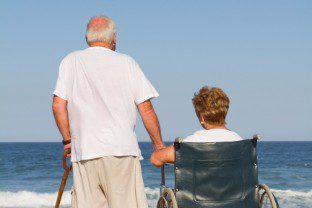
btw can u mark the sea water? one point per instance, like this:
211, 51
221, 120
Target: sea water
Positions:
30, 173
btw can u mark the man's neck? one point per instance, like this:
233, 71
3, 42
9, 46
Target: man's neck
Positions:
100, 44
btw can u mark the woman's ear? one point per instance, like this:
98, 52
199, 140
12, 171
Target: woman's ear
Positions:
201, 119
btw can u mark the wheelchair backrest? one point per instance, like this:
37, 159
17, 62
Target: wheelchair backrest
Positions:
216, 175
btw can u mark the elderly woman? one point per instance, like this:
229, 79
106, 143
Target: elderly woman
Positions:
211, 106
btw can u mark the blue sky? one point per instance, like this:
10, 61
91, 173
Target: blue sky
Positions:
259, 52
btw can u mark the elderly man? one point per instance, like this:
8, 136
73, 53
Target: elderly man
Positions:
94, 105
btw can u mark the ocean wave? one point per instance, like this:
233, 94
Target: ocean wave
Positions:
27, 199
292, 199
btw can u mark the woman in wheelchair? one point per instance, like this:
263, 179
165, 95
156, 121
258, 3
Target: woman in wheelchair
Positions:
211, 106
214, 167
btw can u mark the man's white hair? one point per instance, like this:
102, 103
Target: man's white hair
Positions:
100, 29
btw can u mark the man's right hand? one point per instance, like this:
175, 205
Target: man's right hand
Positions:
160, 157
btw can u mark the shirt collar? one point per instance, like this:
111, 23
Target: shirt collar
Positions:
99, 47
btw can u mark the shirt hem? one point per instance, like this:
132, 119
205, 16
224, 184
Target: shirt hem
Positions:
90, 157
148, 97
59, 94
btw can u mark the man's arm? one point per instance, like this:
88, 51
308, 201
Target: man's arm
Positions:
160, 157
59, 108
151, 123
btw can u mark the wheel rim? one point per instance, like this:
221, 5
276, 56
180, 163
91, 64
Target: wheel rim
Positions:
167, 200
162, 203
266, 198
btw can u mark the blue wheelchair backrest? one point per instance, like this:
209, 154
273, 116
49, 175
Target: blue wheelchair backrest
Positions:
215, 175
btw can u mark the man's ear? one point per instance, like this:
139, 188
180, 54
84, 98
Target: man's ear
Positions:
86, 40
115, 37
113, 45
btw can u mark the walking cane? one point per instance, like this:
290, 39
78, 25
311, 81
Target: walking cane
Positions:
67, 169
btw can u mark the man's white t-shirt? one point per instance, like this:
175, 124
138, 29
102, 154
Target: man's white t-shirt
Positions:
213, 135
102, 88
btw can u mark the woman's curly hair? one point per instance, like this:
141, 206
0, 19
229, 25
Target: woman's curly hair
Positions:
212, 104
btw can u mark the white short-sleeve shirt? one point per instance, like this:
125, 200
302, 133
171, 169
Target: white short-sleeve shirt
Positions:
213, 135
102, 88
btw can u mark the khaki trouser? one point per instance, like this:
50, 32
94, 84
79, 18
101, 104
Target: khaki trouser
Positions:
108, 182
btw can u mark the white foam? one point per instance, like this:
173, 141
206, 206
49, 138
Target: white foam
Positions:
27, 199
152, 196
292, 199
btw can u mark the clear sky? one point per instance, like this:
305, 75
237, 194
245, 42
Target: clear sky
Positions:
259, 52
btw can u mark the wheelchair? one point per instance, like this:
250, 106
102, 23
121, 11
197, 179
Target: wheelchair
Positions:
216, 175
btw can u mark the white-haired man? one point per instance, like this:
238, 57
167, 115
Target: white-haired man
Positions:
94, 105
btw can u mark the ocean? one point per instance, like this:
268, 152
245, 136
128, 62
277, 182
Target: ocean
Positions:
30, 174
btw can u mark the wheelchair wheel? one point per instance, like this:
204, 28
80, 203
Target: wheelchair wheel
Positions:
266, 198
167, 200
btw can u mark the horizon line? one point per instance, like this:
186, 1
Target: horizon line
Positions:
261, 140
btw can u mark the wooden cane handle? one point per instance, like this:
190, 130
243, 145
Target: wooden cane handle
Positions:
65, 166
64, 178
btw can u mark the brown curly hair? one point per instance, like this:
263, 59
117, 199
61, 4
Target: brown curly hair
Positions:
212, 104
